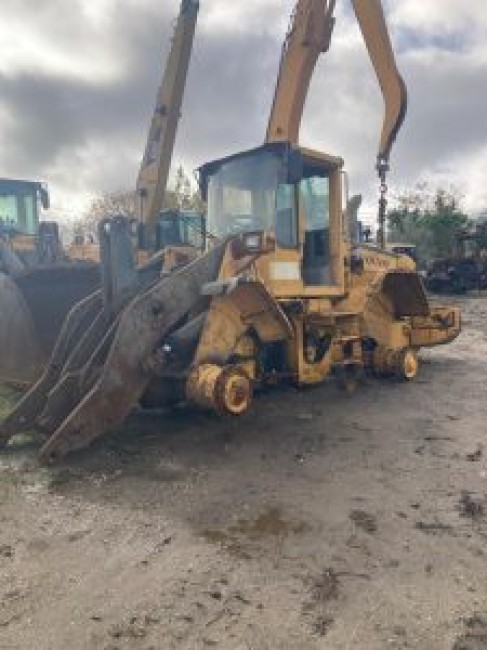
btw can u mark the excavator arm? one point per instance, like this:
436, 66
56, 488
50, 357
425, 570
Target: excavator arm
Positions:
370, 17
154, 170
308, 36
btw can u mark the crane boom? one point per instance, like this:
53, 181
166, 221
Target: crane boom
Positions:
154, 169
309, 35
370, 17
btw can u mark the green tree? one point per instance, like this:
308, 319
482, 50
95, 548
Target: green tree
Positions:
445, 221
427, 218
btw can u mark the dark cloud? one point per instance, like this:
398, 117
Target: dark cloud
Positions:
53, 118
81, 125
44, 115
229, 95
447, 115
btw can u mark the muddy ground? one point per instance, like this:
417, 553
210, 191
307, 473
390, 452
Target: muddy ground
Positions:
320, 520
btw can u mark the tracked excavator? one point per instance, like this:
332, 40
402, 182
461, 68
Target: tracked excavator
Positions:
40, 281
281, 293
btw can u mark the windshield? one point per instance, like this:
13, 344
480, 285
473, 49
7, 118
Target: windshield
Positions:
180, 229
242, 195
18, 212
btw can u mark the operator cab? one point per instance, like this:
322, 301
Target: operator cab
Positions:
19, 206
292, 194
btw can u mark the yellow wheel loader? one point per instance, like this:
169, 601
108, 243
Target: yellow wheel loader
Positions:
281, 294
39, 280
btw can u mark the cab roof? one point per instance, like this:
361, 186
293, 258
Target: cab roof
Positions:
15, 186
279, 149
309, 157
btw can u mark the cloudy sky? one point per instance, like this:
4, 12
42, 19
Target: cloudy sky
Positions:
78, 80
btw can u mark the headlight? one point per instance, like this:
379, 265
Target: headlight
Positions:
252, 243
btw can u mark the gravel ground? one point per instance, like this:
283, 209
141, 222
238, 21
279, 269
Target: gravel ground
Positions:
320, 520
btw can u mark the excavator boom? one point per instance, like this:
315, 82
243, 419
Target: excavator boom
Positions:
154, 170
309, 35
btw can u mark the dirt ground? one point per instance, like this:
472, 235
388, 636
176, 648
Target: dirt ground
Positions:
320, 520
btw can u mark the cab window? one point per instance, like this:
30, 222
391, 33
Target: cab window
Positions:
314, 194
286, 225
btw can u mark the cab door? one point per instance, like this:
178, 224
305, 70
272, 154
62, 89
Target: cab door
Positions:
321, 224
314, 195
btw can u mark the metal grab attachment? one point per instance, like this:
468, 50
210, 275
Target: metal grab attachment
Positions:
100, 365
119, 376
86, 330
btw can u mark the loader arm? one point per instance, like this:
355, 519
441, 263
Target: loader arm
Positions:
154, 170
